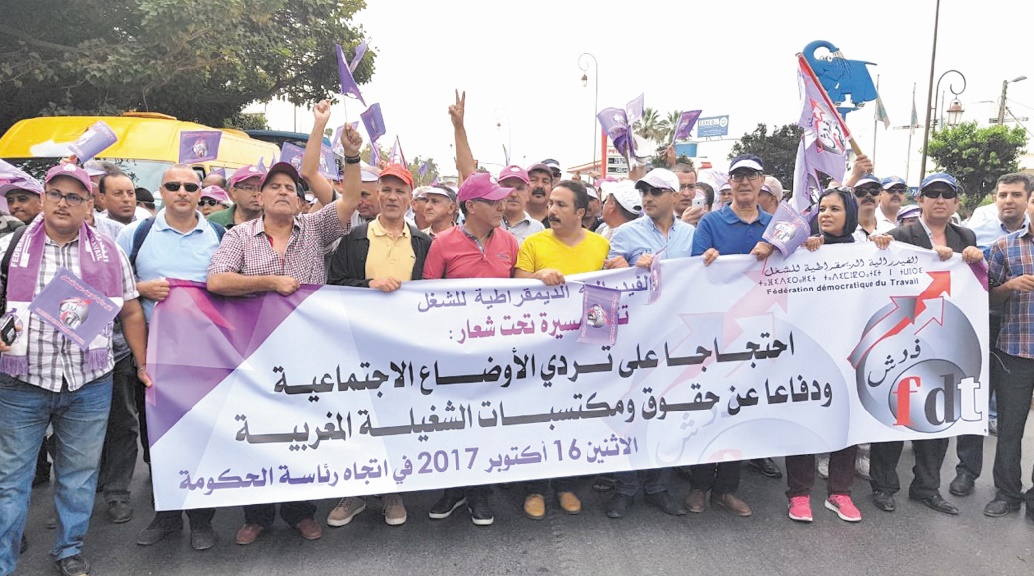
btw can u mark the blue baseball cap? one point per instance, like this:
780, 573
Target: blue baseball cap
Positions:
891, 181
748, 161
867, 179
910, 211
943, 177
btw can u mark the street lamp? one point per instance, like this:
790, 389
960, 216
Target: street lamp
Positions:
583, 65
956, 93
955, 111
1005, 87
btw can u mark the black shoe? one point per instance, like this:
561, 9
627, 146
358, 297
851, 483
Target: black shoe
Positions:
962, 485
603, 483
618, 505
202, 537
766, 466
452, 499
120, 511
480, 511
73, 566
665, 503
25, 545
156, 531
938, 503
999, 507
883, 500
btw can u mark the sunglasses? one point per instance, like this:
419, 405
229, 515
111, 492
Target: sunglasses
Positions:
740, 177
174, 186
648, 190
946, 194
208, 202
867, 191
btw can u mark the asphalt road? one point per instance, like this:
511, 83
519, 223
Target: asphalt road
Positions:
912, 540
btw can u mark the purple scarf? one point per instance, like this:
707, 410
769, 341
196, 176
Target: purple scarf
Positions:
100, 267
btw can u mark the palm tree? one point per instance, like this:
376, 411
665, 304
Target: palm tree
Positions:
650, 125
670, 123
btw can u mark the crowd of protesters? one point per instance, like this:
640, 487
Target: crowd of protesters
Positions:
272, 230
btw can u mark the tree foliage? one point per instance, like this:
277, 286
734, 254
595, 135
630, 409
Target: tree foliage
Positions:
202, 60
777, 150
976, 157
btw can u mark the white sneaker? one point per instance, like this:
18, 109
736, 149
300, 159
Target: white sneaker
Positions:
823, 465
861, 466
345, 510
394, 510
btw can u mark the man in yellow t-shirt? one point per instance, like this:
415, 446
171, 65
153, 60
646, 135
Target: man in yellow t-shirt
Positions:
563, 248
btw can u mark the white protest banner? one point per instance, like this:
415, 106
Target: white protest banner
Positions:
342, 391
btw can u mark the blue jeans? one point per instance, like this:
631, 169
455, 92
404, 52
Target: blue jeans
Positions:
79, 419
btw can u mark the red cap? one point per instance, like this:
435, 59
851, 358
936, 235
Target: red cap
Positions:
398, 171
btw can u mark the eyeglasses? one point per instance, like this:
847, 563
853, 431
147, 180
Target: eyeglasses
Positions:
940, 193
208, 202
866, 191
174, 186
647, 190
489, 202
752, 175
72, 200
246, 187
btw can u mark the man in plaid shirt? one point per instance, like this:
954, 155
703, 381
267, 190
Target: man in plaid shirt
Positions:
279, 252
1011, 277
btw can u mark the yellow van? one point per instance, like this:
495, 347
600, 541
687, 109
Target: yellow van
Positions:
148, 143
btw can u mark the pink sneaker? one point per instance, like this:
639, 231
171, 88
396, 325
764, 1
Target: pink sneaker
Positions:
844, 507
800, 508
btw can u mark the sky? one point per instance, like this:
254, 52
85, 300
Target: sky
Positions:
519, 66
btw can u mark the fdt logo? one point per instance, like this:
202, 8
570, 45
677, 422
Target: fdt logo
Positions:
918, 362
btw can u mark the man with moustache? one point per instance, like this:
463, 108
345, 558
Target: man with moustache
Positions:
866, 190
540, 181
564, 248
516, 219
890, 200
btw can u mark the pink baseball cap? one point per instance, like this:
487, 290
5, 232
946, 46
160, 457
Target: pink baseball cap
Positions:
515, 171
20, 182
215, 193
72, 171
245, 172
484, 186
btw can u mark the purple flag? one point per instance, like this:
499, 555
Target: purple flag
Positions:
599, 315
348, 85
328, 166
434, 182
97, 138
76, 309
635, 109
375, 154
613, 122
262, 164
292, 155
655, 276
374, 121
335, 140
823, 145
397, 157
422, 171
360, 51
199, 146
685, 125
787, 230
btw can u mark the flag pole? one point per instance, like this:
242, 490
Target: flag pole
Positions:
911, 131
843, 126
875, 121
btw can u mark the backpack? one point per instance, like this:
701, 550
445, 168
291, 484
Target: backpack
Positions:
138, 240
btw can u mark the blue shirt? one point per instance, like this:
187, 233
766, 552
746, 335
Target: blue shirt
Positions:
725, 232
642, 236
169, 253
990, 231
